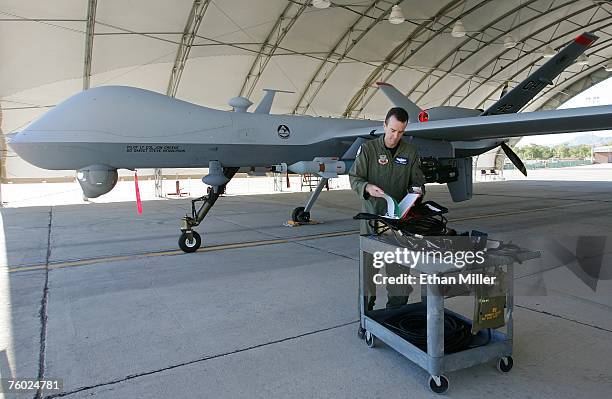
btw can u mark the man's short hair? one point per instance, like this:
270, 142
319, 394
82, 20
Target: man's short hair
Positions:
399, 113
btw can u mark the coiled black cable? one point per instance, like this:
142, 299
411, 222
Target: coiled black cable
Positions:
425, 226
412, 326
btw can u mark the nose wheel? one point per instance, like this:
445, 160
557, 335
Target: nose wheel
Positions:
190, 241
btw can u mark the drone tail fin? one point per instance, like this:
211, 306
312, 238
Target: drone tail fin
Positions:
400, 100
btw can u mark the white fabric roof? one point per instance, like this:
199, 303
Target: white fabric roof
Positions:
328, 57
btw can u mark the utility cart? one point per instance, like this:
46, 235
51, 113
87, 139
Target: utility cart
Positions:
428, 350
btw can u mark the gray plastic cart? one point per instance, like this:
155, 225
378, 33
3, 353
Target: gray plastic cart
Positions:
434, 360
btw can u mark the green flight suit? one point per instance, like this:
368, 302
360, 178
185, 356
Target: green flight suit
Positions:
395, 175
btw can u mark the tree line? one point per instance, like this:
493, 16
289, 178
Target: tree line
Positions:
534, 151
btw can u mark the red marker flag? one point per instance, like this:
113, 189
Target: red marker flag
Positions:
138, 201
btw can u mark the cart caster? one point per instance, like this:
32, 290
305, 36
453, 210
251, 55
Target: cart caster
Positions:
505, 364
299, 216
361, 332
188, 245
438, 384
370, 339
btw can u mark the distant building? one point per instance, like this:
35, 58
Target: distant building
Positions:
602, 154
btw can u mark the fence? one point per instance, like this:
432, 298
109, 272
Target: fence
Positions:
551, 164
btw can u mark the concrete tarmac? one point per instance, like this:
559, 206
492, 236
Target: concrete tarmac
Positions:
101, 297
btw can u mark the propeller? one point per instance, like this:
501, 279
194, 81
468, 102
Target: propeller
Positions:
138, 201
514, 158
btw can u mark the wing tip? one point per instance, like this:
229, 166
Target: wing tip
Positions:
586, 39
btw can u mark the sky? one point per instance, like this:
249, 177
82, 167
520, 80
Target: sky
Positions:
600, 94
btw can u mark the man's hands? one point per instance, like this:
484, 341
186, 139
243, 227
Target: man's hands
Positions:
374, 190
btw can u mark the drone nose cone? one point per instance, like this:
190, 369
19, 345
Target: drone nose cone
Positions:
11, 137
17, 142
12, 140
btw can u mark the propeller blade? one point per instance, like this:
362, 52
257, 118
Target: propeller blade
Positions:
288, 185
514, 158
138, 201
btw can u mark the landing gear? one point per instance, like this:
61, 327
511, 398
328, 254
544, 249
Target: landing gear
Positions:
190, 244
190, 240
301, 214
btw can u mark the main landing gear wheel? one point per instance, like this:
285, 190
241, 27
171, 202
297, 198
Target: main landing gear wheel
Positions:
300, 216
190, 245
505, 364
440, 388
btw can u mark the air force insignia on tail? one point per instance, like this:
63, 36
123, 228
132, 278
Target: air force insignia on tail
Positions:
283, 131
401, 160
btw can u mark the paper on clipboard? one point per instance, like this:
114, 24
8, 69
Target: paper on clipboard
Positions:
391, 206
398, 211
406, 204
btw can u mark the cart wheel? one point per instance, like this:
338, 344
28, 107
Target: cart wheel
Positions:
361, 332
188, 245
439, 389
370, 339
505, 364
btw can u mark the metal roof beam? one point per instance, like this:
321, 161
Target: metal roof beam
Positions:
280, 29
89, 39
196, 14
23, 19
466, 41
532, 64
505, 51
359, 98
337, 54
125, 31
198, 9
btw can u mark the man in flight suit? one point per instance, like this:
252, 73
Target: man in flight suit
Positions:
386, 165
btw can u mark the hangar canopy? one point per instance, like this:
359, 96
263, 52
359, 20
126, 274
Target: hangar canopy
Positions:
446, 52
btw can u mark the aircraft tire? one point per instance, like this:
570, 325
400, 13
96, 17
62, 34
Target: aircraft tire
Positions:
299, 216
190, 246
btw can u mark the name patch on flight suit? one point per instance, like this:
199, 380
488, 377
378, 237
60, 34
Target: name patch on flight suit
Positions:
401, 160
382, 159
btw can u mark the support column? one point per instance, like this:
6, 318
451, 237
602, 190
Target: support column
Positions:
159, 192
